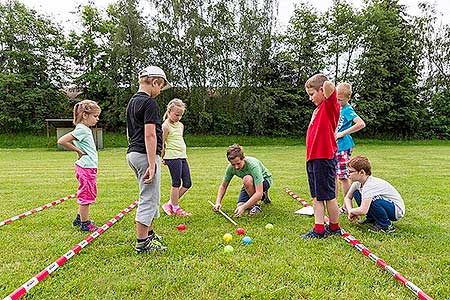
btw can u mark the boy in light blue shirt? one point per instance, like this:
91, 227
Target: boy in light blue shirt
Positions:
349, 122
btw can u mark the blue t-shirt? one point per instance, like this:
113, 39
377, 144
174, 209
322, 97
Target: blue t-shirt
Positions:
345, 122
85, 141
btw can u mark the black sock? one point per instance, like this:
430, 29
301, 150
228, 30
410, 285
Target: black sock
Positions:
142, 240
151, 232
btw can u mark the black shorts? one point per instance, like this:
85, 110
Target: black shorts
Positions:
322, 178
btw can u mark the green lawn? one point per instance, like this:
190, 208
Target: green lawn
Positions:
277, 265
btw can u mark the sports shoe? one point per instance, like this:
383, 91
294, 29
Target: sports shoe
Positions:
155, 237
77, 221
366, 221
180, 212
312, 234
149, 246
168, 208
378, 228
256, 209
337, 231
266, 198
88, 226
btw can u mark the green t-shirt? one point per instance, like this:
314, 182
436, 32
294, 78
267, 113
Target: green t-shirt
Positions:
85, 141
252, 167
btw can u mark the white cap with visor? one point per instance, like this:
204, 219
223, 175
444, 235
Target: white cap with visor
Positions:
154, 71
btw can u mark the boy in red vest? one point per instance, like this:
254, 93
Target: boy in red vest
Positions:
320, 155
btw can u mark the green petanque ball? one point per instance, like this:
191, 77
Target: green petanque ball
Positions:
269, 226
228, 249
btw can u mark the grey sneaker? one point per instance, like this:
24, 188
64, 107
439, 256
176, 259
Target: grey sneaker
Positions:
256, 209
266, 198
155, 237
376, 228
149, 246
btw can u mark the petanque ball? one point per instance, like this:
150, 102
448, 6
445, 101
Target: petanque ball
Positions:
246, 240
240, 231
228, 249
227, 237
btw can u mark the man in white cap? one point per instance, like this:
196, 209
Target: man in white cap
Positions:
144, 134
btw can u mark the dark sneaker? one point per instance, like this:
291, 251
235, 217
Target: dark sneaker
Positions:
149, 246
266, 198
256, 209
336, 231
77, 221
88, 226
378, 228
155, 237
366, 221
312, 234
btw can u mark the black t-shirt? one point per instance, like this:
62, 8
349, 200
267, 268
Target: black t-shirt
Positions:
142, 110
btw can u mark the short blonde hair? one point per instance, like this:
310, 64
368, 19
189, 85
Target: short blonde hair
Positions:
234, 151
346, 89
149, 79
360, 163
85, 106
316, 81
178, 103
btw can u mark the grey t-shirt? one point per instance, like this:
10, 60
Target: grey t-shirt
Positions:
377, 188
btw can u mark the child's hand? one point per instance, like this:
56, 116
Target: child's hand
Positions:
149, 174
163, 162
217, 206
338, 135
352, 218
80, 154
239, 211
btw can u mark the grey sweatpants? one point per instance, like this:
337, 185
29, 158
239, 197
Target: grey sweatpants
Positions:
149, 194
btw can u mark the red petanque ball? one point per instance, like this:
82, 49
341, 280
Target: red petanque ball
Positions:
240, 231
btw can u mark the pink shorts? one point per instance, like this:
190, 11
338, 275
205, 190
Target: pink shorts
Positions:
342, 158
87, 188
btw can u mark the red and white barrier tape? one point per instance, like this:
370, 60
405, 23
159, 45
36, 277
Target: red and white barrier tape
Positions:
302, 201
364, 250
35, 210
27, 286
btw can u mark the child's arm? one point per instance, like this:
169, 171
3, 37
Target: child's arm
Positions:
359, 124
328, 89
220, 193
362, 210
165, 130
66, 140
150, 146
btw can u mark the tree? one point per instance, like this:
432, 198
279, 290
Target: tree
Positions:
31, 64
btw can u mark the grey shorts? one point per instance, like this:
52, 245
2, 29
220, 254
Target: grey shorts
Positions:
149, 194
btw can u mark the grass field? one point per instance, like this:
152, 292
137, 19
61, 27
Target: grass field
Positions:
277, 265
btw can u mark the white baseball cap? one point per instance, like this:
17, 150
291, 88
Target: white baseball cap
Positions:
154, 71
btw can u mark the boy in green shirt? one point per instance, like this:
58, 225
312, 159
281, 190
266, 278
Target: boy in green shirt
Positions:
256, 179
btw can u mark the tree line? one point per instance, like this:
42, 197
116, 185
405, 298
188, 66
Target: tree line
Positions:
238, 70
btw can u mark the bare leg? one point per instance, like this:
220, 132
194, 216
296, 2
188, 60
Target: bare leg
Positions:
345, 186
247, 181
142, 230
83, 210
333, 211
319, 211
